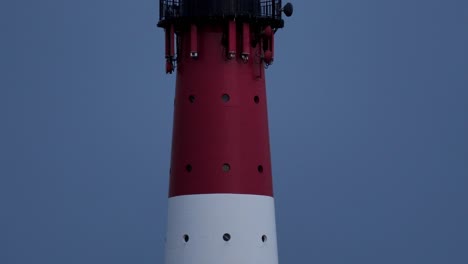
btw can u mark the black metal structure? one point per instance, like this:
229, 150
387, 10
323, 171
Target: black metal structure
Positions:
263, 12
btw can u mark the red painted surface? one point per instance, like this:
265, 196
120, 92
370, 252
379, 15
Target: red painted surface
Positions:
232, 34
246, 38
209, 132
193, 39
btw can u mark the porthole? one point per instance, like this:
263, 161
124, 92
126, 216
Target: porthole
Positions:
186, 238
260, 168
191, 98
226, 237
264, 238
256, 99
226, 167
225, 98
188, 168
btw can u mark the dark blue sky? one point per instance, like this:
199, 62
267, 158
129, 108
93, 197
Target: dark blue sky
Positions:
368, 105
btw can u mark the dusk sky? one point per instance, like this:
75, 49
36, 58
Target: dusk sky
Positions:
368, 114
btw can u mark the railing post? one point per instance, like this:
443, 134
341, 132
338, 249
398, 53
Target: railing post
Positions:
273, 7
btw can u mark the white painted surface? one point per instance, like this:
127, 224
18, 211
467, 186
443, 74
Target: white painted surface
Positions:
206, 217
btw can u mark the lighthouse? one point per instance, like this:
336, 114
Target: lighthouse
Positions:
221, 207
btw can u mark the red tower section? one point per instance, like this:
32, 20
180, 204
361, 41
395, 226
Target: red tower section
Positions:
220, 162
220, 134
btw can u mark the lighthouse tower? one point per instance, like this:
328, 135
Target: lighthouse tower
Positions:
221, 207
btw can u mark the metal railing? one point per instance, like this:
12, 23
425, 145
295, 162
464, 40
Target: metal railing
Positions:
169, 9
270, 8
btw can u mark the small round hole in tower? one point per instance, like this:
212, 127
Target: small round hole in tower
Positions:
260, 168
191, 98
226, 167
188, 168
186, 238
226, 237
256, 99
264, 238
225, 98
